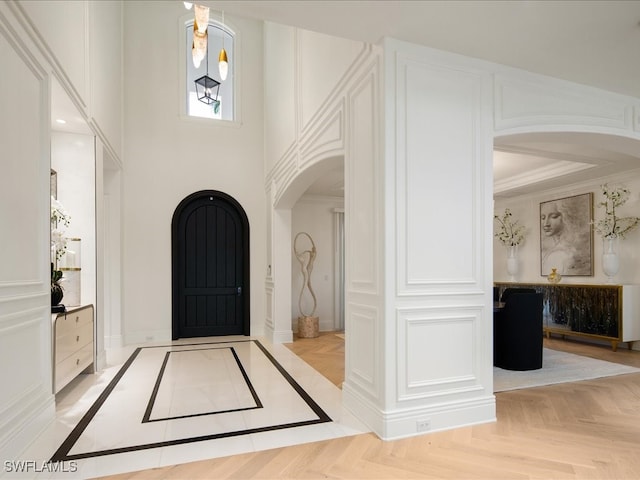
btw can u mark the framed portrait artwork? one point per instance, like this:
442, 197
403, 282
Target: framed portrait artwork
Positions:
566, 236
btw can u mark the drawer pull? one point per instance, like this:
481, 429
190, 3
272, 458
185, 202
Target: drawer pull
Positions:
78, 338
77, 361
77, 319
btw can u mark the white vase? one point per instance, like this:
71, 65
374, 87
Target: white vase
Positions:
512, 262
610, 260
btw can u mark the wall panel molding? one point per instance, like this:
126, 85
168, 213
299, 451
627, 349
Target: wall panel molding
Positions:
268, 288
364, 195
362, 367
433, 332
307, 120
326, 139
439, 142
520, 102
22, 421
284, 173
78, 97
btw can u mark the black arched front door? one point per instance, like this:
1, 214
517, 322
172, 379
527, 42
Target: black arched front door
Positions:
210, 266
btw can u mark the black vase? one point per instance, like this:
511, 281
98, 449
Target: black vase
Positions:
56, 294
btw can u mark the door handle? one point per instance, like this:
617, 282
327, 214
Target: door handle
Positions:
239, 290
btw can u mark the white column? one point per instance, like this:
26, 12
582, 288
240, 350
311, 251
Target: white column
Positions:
278, 329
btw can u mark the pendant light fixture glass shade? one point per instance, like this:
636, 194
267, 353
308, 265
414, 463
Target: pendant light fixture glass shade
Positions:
199, 47
201, 22
223, 64
200, 37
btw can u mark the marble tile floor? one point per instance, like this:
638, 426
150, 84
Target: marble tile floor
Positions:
183, 401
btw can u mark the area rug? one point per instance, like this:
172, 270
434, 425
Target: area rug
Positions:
557, 367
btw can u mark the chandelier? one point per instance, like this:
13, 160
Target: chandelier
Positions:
201, 40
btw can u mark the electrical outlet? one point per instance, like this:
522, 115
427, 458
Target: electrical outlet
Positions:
423, 425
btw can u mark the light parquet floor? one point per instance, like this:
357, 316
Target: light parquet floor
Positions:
581, 430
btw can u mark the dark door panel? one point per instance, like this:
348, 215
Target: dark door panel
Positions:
210, 267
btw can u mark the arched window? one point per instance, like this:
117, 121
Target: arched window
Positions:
219, 36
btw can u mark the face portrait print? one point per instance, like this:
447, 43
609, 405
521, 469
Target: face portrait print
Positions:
566, 236
551, 220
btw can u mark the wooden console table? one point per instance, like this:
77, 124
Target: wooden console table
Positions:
604, 312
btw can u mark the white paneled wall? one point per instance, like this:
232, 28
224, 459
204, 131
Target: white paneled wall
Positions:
436, 332
42, 43
311, 122
364, 386
26, 401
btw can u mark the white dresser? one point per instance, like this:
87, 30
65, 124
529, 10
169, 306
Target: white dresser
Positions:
73, 345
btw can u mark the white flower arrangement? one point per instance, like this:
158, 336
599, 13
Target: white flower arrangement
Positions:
612, 226
59, 218
510, 233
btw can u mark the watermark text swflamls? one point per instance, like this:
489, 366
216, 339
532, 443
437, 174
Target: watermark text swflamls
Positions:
34, 466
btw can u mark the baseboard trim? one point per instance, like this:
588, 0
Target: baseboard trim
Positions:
404, 423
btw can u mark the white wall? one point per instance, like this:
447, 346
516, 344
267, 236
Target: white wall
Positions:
73, 158
168, 157
26, 401
305, 132
113, 251
435, 350
315, 216
40, 41
84, 39
526, 209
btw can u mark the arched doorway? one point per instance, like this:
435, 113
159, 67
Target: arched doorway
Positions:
317, 176
210, 266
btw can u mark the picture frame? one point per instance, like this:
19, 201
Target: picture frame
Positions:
566, 235
54, 184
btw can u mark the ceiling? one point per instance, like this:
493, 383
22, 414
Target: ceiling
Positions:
590, 42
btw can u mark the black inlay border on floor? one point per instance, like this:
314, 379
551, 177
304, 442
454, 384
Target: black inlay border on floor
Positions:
147, 414
62, 454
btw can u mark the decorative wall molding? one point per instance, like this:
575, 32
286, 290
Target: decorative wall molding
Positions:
435, 149
284, 173
79, 99
432, 332
27, 402
268, 288
362, 365
334, 95
326, 140
402, 423
363, 192
23, 420
323, 136
532, 101
24, 315
36, 36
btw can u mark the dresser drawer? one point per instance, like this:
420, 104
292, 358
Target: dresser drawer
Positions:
70, 321
72, 341
66, 370
72, 344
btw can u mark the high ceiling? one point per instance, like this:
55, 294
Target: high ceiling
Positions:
590, 42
